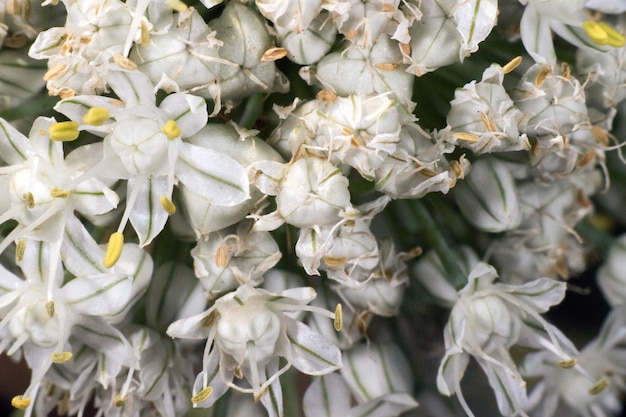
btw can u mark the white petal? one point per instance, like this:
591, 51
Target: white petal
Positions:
327, 396
312, 353
103, 295
215, 176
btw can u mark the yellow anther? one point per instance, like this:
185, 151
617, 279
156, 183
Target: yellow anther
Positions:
63, 131
603, 34
29, 198
20, 249
61, 357
599, 386
202, 396
50, 308
616, 39
118, 400
512, 64
338, 322
238, 373
567, 363
96, 116
20, 402
176, 5
167, 205
171, 130
114, 249
59, 193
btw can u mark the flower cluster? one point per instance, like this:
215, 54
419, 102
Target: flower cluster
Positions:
205, 200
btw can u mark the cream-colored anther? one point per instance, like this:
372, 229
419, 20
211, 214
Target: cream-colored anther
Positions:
338, 322
29, 199
96, 116
59, 193
171, 130
114, 249
20, 248
567, 363
20, 402
167, 205
63, 131
274, 54
542, 75
61, 357
512, 64
124, 62
50, 309
599, 386
202, 395
469, 137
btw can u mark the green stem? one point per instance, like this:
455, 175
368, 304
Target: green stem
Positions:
438, 242
252, 110
291, 402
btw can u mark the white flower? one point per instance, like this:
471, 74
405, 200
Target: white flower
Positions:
144, 144
487, 319
44, 188
594, 387
247, 331
488, 197
309, 191
484, 117
225, 259
332, 391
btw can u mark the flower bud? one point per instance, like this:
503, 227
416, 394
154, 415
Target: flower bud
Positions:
488, 197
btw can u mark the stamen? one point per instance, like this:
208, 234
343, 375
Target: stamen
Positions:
124, 62
61, 357
114, 249
64, 131
59, 193
567, 363
338, 322
20, 402
167, 205
387, 66
603, 34
599, 386
616, 39
274, 54
118, 400
542, 75
221, 256
202, 395
50, 308
171, 130
512, 64
145, 34
29, 198
96, 116
20, 249
470, 137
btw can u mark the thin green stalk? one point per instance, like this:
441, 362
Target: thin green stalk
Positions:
438, 242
